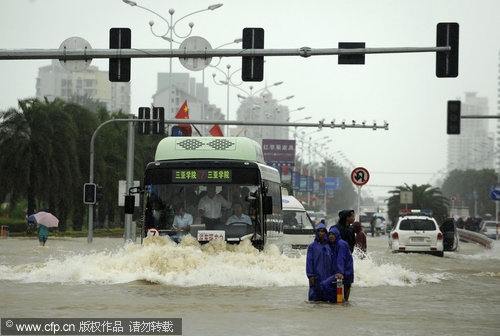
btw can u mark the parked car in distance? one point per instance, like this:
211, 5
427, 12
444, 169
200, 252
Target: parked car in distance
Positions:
365, 218
489, 229
416, 231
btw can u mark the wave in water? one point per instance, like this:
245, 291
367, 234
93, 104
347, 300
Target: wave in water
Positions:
159, 260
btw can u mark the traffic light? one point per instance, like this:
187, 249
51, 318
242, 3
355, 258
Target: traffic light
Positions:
89, 193
119, 68
351, 58
159, 126
453, 120
252, 68
144, 126
447, 61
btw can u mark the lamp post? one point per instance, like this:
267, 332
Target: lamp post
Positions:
169, 35
227, 82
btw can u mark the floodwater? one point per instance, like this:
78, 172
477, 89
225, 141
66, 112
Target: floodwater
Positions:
221, 290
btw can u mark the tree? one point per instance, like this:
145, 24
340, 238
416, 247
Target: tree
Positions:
471, 188
424, 197
26, 149
344, 198
44, 165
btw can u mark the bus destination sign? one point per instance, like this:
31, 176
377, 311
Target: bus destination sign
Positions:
201, 175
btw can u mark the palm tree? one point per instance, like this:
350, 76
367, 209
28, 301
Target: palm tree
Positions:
25, 149
424, 197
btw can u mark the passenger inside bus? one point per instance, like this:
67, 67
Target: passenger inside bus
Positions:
207, 213
210, 209
182, 223
157, 214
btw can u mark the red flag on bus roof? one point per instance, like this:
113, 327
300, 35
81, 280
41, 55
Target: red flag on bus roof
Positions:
183, 113
216, 131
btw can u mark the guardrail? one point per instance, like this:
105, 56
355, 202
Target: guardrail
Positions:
474, 237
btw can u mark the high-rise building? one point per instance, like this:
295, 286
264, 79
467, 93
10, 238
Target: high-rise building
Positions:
55, 81
262, 108
185, 88
474, 147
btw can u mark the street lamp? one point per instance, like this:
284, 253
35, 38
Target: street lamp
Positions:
306, 118
297, 109
227, 82
169, 35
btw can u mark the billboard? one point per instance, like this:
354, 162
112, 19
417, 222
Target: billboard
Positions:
332, 183
295, 180
303, 183
278, 152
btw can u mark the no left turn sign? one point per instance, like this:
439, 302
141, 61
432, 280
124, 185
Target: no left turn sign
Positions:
360, 176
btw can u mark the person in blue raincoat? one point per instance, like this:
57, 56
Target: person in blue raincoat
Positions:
318, 263
342, 267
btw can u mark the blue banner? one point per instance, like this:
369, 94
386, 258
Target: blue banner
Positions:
303, 183
316, 187
332, 183
322, 190
295, 180
310, 182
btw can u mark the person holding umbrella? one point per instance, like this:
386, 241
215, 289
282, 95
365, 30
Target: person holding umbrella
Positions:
43, 233
43, 221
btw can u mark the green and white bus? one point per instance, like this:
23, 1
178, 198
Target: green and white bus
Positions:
187, 168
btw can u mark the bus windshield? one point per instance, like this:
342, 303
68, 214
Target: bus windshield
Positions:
230, 203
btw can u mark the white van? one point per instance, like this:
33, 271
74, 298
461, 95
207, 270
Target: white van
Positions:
298, 229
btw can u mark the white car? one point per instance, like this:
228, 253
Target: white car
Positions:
298, 230
416, 231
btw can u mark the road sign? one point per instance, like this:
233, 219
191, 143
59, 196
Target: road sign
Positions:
75, 43
495, 195
153, 232
195, 43
406, 197
360, 176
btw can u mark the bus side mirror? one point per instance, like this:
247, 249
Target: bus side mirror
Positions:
129, 204
268, 205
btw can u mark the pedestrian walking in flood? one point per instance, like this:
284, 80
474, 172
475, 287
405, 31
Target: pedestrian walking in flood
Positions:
360, 237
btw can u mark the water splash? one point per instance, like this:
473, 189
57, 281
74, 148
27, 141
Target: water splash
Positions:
160, 260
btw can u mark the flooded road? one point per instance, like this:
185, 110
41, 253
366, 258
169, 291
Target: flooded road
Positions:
221, 290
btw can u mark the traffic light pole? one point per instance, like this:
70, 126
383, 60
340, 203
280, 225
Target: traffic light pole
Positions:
88, 54
130, 175
130, 171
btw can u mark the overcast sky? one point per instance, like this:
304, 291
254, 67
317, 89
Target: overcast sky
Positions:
399, 88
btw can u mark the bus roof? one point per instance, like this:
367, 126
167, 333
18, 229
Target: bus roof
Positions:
231, 148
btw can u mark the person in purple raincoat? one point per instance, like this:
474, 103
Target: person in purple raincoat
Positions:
318, 263
341, 267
